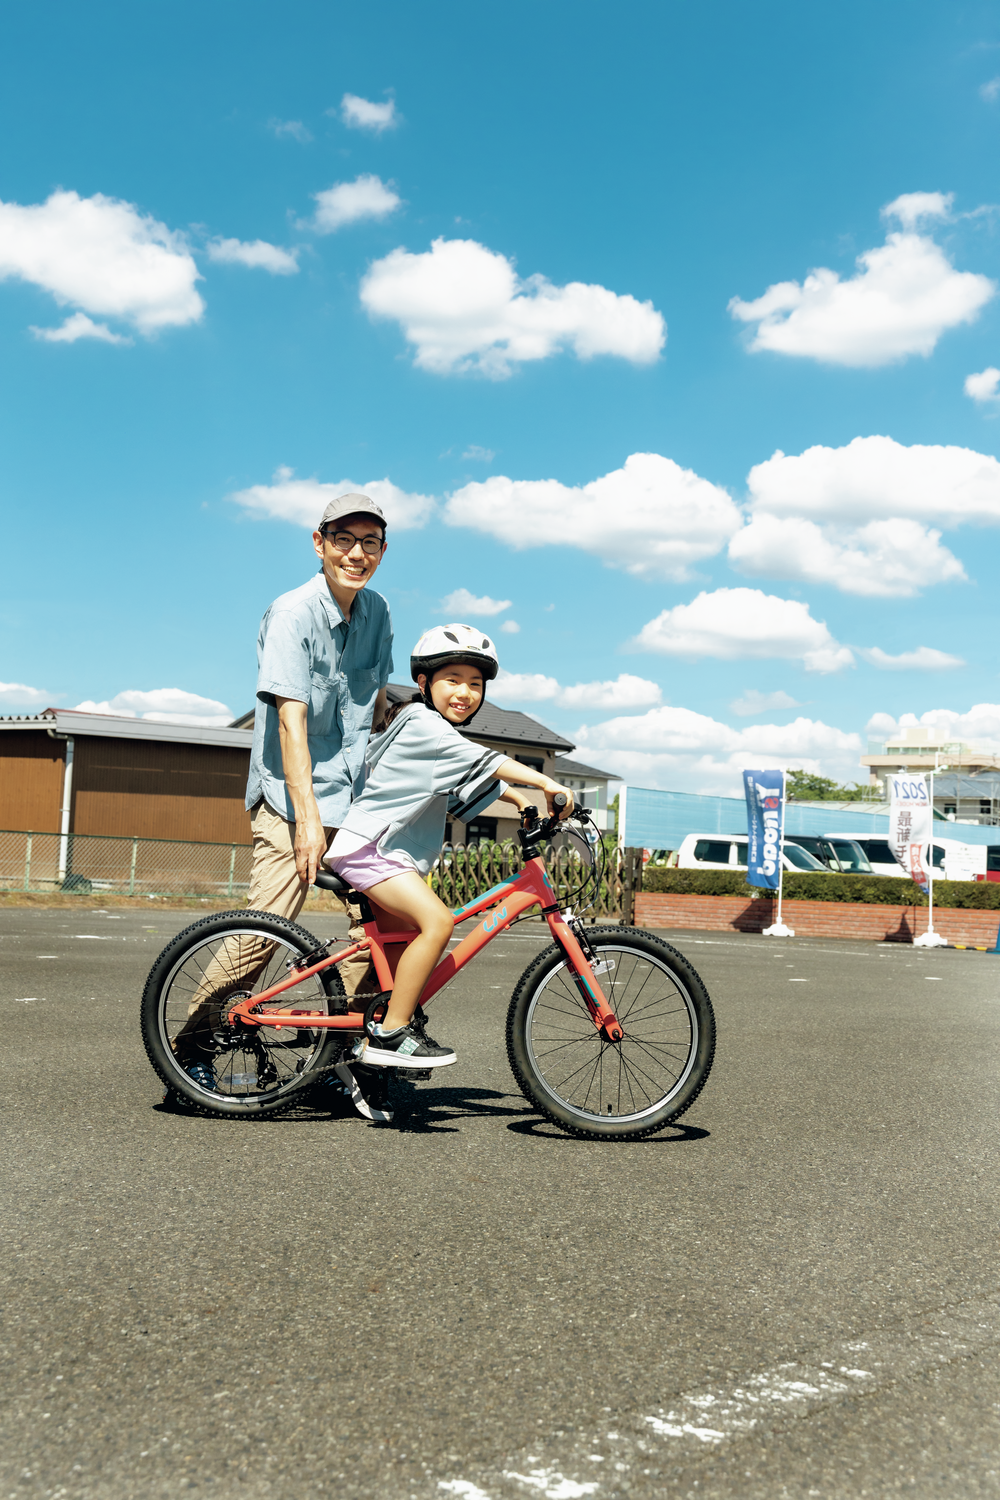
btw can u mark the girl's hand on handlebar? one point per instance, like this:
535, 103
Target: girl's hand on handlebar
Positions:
563, 809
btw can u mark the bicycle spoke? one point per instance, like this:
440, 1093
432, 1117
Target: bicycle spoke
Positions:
623, 1080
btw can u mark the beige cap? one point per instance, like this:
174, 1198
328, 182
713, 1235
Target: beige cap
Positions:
350, 505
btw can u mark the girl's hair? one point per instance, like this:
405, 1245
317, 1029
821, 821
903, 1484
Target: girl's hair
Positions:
394, 711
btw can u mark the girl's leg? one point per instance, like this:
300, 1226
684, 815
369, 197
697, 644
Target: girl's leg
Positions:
408, 896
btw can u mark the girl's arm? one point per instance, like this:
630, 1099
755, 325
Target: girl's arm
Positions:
515, 795
512, 770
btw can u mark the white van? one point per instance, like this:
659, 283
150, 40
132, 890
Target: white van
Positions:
722, 851
953, 859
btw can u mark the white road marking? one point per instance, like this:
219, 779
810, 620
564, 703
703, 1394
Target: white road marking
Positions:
706, 1419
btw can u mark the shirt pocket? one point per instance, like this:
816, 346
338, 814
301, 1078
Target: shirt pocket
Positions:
323, 695
359, 698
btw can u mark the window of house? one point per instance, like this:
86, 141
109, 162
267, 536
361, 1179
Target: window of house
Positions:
481, 829
985, 807
534, 761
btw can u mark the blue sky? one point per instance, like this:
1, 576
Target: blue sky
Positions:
537, 244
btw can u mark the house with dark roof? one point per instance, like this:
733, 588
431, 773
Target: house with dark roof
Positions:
589, 787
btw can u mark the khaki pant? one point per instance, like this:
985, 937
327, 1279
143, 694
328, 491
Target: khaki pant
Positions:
274, 887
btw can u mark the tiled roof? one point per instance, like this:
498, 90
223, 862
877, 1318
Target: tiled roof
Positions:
495, 723
568, 767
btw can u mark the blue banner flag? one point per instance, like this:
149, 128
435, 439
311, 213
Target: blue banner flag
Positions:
765, 794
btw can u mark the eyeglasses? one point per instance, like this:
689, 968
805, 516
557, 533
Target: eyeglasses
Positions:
345, 541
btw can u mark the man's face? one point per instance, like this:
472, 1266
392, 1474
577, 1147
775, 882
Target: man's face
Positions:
349, 567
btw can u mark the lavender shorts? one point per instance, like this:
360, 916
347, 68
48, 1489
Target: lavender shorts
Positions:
367, 867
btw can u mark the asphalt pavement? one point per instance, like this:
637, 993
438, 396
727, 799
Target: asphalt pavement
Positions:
792, 1292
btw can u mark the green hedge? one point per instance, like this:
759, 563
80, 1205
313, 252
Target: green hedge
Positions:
881, 890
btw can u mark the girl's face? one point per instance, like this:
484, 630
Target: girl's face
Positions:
456, 692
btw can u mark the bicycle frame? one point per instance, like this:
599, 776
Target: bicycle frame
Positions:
503, 903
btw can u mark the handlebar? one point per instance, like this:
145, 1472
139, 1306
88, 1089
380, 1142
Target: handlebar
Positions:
534, 830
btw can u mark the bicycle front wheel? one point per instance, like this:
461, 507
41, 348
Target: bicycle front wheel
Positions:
596, 1088
228, 1069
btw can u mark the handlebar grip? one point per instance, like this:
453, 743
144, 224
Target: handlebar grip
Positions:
559, 800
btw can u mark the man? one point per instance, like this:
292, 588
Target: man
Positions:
324, 656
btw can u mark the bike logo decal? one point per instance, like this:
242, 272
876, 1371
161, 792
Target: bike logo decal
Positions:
490, 925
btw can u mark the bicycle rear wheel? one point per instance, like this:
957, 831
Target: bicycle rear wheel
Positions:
242, 1071
596, 1088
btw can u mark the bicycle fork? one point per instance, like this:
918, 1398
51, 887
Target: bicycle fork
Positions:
576, 948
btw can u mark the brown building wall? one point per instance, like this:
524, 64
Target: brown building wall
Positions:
31, 778
145, 789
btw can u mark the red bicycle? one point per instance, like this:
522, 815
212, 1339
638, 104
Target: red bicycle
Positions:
610, 1031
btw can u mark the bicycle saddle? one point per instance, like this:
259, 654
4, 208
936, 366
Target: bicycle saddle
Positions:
326, 880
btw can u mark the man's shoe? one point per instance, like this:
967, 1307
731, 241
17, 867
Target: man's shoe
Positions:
406, 1047
203, 1075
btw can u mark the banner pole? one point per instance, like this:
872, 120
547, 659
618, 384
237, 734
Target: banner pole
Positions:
930, 865
781, 849
930, 938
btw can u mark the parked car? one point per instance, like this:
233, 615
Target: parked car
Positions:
953, 859
834, 852
720, 851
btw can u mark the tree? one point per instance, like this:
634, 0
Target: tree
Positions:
804, 786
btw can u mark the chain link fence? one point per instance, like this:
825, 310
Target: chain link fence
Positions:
92, 863
88, 863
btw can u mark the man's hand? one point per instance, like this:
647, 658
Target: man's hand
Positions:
296, 762
310, 846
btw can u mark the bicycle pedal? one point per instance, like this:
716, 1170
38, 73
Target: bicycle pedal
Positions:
415, 1075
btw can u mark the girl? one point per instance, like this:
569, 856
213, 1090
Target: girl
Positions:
393, 831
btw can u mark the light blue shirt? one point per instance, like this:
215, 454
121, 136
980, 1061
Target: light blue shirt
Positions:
306, 650
414, 768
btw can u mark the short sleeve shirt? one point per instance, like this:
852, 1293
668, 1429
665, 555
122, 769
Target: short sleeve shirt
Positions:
306, 650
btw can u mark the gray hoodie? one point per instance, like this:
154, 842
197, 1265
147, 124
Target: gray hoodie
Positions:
417, 768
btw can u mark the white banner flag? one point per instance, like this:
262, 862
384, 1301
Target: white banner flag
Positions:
910, 824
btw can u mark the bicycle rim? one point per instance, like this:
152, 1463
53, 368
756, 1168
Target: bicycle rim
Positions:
250, 1065
624, 1082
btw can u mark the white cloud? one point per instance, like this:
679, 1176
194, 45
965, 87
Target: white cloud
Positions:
290, 129
464, 308
755, 702
905, 295
510, 627
874, 478
983, 387
104, 256
365, 114
22, 696
164, 705
741, 625
679, 750
303, 501
624, 691
923, 659
367, 197
482, 455
913, 209
651, 518
79, 326
462, 603
980, 726
990, 91
257, 254
891, 559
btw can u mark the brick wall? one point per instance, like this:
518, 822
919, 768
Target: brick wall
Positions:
830, 919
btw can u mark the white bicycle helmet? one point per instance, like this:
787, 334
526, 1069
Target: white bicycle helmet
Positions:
444, 644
